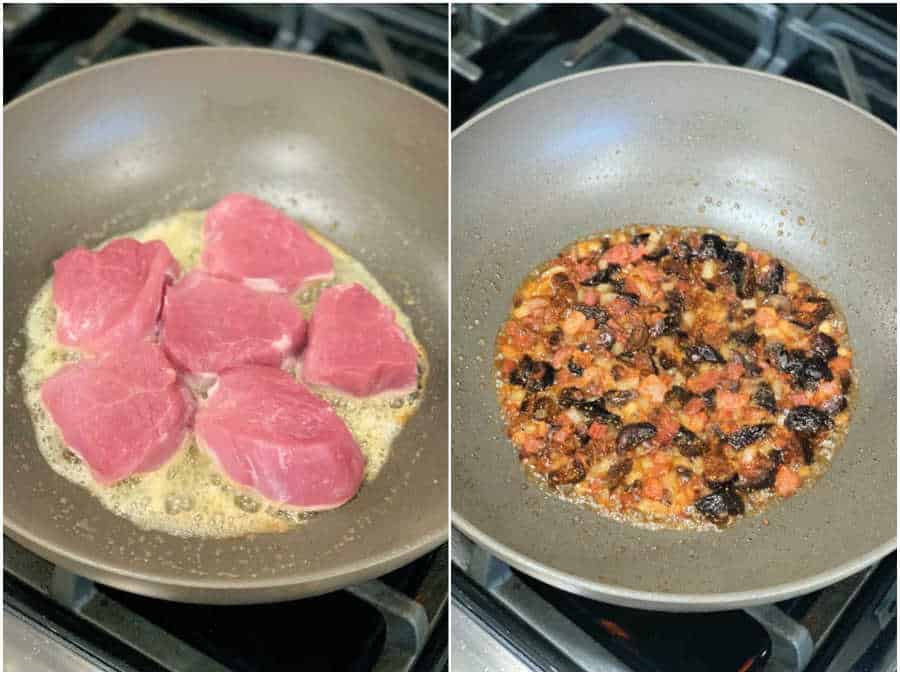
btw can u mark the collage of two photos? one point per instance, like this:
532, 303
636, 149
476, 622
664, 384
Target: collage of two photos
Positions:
449, 337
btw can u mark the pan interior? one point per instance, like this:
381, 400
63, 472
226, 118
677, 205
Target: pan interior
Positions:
787, 169
112, 148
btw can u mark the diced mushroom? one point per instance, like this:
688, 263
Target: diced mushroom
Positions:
720, 504
807, 420
633, 435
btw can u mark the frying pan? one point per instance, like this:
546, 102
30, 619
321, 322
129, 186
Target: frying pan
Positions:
781, 165
110, 148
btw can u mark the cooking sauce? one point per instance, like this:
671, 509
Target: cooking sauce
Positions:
673, 377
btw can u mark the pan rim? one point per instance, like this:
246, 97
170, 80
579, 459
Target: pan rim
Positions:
333, 578
388, 561
163, 53
667, 601
672, 601
672, 64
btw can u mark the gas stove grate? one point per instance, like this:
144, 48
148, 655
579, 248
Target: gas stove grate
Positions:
497, 51
835, 625
406, 43
384, 624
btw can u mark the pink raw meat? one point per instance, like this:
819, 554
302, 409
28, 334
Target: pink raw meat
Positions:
210, 324
112, 296
355, 345
270, 433
122, 413
247, 240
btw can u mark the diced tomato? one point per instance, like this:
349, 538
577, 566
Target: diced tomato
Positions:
662, 462
573, 323
666, 426
597, 430
532, 445
734, 370
560, 435
650, 272
840, 364
754, 415
523, 339
787, 481
694, 406
507, 366
755, 256
622, 254
564, 377
715, 333
652, 489
619, 307
734, 402
654, 388
704, 381
696, 422
561, 357
765, 317
585, 271
826, 392
562, 420
628, 499
590, 297
684, 287
799, 398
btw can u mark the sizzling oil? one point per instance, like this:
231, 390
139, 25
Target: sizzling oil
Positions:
189, 496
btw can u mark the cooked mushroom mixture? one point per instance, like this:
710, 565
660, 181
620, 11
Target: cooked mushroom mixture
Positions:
673, 377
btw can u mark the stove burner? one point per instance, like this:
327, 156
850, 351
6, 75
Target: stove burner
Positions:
810, 632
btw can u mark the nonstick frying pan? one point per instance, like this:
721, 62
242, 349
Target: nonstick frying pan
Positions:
781, 165
108, 149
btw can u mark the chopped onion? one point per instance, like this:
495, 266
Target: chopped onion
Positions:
553, 270
777, 389
629, 383
778, 302
575, 415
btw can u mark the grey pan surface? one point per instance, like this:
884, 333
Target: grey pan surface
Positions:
787, 168
110, 148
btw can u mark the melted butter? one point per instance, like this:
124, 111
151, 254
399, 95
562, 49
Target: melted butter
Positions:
189, 496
